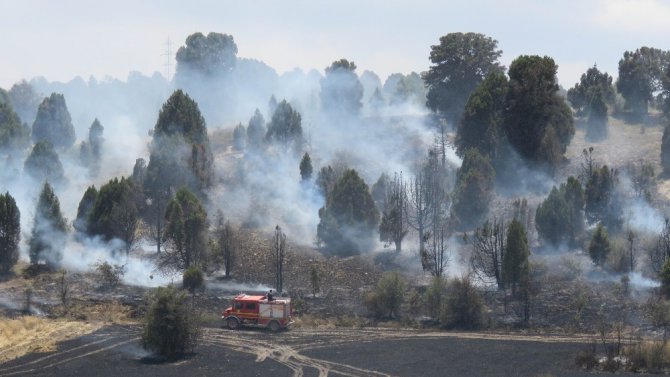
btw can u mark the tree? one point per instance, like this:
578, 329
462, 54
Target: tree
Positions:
285, 128
53, 123
460, 62
349, 218
515, 260
115, 212
341, 91
473, 191
664, 95
185, 227
84, 209
481, 126
10, 233
279, 249
665, 150
488, 251
537, 121
91, 151
226, 244
592, 84
13, 134
602, 203
256, 130
393, 227
315, 280
49, 231
170, 328
665, 279
211, 55
240, 137
640, 76
306, 167
660, 253
25, 101
599, 247
434, 257
180, 153
559, 217
43, 163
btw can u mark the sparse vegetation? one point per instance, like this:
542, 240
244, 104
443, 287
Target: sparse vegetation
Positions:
193, 279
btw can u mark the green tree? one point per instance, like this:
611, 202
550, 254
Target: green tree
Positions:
115, 212
285, 128
256, 130
599, 247
665, 279
185, 232
473, 191
460, 62
481, 124
84, 209
43, 163
306, 169
91, 151
170, 329
53, 123
49, 232
640, 76
537, 121
13, 134
559, 217
341, 91
592, 84
225, 244
10, 233
349, 218
601, 200
180, 153
515, 260
25, 101
193, 279
210, 55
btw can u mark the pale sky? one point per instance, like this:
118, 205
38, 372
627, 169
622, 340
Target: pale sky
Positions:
63, 39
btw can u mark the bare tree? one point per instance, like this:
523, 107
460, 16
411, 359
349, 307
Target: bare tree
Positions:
660, 252
435, 256
420, 207
279, 244
488, 248
393, 226
226, 243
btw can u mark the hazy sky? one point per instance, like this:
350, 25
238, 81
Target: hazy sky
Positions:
63, 39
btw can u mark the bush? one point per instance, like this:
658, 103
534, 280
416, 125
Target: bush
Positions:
464, 307
170, 329
193, 278
109, 276
387, 297
435, 295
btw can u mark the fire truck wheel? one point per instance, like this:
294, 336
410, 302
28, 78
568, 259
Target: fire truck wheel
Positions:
274, 326
232, 323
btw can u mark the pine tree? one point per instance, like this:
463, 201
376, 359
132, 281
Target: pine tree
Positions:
85, 208
43, 163
49, 230
515, 260
306, 169
10, 233
599, 247
53, 123
185, 231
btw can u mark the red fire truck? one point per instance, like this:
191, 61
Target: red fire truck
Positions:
258, 311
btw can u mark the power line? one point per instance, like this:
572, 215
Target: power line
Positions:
168, 56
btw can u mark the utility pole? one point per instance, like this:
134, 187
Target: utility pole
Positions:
168, 56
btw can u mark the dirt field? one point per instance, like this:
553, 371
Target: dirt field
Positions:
115, 351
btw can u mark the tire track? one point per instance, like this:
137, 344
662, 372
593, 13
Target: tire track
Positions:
286, 355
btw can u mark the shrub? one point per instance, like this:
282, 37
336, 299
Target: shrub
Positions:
435, 295
464, 307
109, 276
193, 278
170, 329
387, 297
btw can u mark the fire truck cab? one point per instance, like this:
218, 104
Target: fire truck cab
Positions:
258, 311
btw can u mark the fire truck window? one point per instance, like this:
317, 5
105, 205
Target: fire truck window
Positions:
250, 306
238, 305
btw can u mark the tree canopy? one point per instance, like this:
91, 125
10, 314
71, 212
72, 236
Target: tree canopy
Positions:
538, 123
180, 151
185, 232
285, 128
349, 219
25, 101
640, 76
49, 231
473, 191
53, 123
515, 259
460, 62
341, 91
559, 217
13, 134
115, 213
43, 163
10, 233
209, 55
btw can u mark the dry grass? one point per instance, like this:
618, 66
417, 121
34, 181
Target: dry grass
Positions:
27, 334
